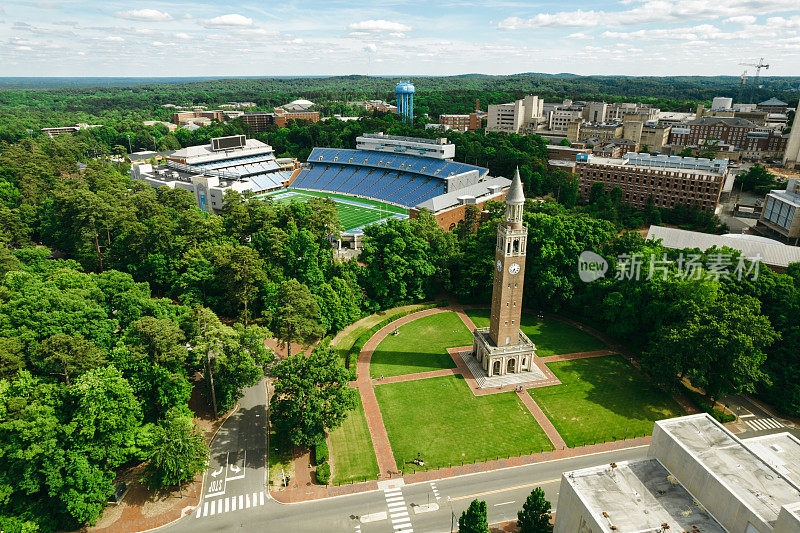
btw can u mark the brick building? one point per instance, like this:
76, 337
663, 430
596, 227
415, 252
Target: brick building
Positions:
669, 180
185, 117
259, 122
726, 130
773, 105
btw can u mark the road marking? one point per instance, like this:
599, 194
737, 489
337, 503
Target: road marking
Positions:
398, 511
212, 507
505, 503
241, 501
751, 415
227, 505
473, 496
247, 501
199, 511
233, 503
261, 498
394, 499
398, 515
397, 505
763, 424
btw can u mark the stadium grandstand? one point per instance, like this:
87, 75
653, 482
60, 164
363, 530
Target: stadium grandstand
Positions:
405, 172
209, 171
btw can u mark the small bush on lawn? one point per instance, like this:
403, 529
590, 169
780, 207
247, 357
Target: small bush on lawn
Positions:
324, 474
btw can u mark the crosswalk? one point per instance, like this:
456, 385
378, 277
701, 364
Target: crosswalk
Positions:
763, 424
220, 505
398, 511
435, 490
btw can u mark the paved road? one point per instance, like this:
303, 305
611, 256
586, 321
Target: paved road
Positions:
756, 418
235, 503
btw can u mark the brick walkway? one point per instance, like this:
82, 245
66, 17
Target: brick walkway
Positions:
416, 376
541, 418
380, 439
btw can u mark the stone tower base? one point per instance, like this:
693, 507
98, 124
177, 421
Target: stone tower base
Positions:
502, 360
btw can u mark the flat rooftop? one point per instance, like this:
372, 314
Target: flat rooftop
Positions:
757, 484
781, 452
640, 496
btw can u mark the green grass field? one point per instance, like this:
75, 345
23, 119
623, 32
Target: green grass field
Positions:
352, 454
441, 419
602, 399
350, 215
420, 346
551, 337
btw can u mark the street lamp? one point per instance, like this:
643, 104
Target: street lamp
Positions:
129, 143
180, 489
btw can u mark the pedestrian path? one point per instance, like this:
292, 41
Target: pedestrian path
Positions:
542, 420
213, 506
763, 424
398, 511
435, 490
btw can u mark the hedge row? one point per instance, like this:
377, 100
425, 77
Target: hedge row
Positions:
321, 453
702, 402
324, 474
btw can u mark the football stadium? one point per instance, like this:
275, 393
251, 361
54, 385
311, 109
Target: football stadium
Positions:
388, 176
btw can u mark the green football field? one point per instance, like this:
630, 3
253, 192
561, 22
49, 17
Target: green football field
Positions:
354, 213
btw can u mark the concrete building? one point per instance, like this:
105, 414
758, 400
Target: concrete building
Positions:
668, 180
516, 116
297, 105
581, 131
780, 217
773, 254
227, 164
380, 142
169, 125
556, 152
449, 208
560, 119
374, 105
55, 132
182, 118
698, 477
791, 156
721, 103
630, 111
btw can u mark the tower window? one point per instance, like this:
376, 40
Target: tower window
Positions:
516, 245
506, 304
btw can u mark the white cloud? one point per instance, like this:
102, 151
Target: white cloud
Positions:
1, 10
564, 19
297, 41
233, 20
397, 34
370, 47
47, 5
183, 36
579, 35
742, 19
149, 15
112, 39
378, 25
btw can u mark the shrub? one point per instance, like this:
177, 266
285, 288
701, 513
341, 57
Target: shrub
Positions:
321, 453
323, 474
702, 402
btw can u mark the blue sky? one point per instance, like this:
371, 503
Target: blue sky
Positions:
435, 37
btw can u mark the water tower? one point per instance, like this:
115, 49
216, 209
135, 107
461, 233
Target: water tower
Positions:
405, 100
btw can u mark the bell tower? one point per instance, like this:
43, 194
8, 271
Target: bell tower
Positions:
509, 271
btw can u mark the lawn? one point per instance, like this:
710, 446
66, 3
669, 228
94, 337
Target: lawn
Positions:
344, 341
550, 336
352, 454
353, 212
420, 346
280, 459
441, 419
602, 399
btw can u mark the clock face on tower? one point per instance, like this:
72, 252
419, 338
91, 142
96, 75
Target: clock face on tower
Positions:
513, 269
499, 265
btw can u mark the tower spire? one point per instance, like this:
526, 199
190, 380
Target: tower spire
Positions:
515, 194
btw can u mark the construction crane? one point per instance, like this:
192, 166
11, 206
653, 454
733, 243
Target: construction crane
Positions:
758, 66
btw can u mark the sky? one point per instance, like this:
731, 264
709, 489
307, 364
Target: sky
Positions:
381, 37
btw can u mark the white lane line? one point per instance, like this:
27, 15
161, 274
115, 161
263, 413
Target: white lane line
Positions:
396, 506
775, 423
255, 499
747, 416
212, 507
754, 424
261, 498
205, 509
504, 503
394, 499
247, 501
401, 526
398, 514
233, 503
199, 511
241, 501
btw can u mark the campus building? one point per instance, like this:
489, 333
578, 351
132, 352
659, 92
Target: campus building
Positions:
781, 214
227, 164
261, 122
668, 180
514, 117
182, 118
503, 348
725, 130
773, 105
374, 105
55, 132
698, 477
581, 131
791, 156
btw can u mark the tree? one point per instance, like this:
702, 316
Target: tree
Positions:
757, 178
474, 519
312, 395
297, 317
66, 355
535, 514
180, 451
